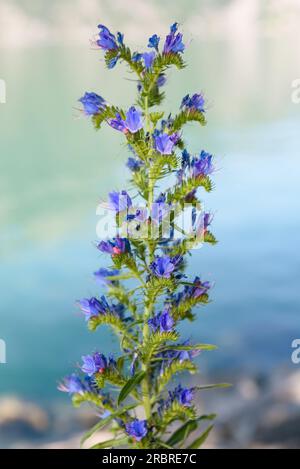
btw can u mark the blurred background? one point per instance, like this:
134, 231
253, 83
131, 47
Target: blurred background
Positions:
54, 170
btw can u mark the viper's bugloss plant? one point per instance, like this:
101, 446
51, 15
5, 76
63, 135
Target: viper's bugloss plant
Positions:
148, 293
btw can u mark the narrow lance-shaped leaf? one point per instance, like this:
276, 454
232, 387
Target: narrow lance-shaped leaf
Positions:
201, 439
130, 386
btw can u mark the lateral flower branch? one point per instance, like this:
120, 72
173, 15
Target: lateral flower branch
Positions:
148, 250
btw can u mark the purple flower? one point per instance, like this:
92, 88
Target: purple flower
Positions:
199, 288
107, 40
134, 165
196, 102
189, 292
92, 103
118, 123
112, 362
184, 396
119, 201
113, 61
72, 384
148, 59
202, 166
164, 143
185, 159
93, 307
115, 247
102, 274
133, 121
118, 309
162, 321
207, 219
120, 39
173, 43
137, 429
93, 364
164, 266
161, 80
154, 41
169, 356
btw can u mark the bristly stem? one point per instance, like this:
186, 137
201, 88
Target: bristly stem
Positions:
148, 308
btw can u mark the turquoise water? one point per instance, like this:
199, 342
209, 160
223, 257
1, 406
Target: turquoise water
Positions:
55, 169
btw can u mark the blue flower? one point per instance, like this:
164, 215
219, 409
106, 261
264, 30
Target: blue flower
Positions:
199, 288
202, 166
164, 266
120, 39
207, 219
92, 103
112, 362
154, 41
118, 123
107, 40
189, 292
164, 143
162, 321
115, 247
93, 364
102, 274
132, 123
113, 61
148, 59
119, 201
196, 102
137, 429
118, 309
161, 80
72, 384
134, 165
173, 43
184, 396
93, 307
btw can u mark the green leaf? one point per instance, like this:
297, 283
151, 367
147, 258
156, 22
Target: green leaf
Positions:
130, 385
201, 439
182, 433
207, 347
95, 428
111, 443
187, 428
213, 386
